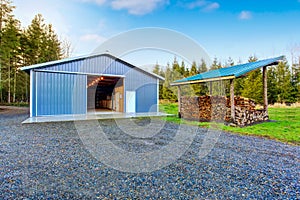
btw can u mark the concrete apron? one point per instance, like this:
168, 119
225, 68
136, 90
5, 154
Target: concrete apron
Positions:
92, 116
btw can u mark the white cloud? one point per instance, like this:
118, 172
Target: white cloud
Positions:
211, 7
206, 6
245, 15
197, 4
92, 38
138, 7
99, 2
134, 7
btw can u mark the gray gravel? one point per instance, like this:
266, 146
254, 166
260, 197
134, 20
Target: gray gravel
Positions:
49, 161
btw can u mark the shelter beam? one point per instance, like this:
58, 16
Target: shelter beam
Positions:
232, 108
265, 85
179, 101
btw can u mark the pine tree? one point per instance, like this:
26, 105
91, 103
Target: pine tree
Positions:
167, 93
239, 86
6, 9
156, 69
229, 62
253, 86
195, 87
10, 59
215, 64
203, 67
203, 86
38, 43
284, 84
217, 87
42, 43
296, 80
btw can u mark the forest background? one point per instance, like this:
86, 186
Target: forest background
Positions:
39, 43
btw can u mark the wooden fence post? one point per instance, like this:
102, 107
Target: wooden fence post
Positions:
265, 85
179, 101
232, 108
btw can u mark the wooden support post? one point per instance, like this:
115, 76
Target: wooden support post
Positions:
265, 85
179, 101
232, 108
210, 88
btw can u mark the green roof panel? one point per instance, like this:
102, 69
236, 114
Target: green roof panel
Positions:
233, 71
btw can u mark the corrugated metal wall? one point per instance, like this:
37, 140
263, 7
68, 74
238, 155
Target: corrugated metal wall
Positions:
100, 65
145, 102
58, 94
63, 93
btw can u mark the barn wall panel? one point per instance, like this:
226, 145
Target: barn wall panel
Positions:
58, 94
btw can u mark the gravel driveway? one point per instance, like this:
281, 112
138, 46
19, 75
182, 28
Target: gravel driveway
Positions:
49, 161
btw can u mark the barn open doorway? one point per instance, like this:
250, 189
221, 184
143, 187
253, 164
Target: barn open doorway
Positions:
105, 94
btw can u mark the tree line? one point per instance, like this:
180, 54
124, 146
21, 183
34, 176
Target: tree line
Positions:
19, 47
283, 81
39, 43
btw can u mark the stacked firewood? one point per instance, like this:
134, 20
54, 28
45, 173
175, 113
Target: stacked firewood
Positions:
242, 102
217, 108
189, 107
204, 108
245, 117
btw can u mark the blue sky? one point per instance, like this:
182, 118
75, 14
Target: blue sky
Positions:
224, 28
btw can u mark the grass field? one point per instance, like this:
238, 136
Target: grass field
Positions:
285, 128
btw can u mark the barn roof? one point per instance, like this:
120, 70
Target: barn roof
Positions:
228, 72
67, 60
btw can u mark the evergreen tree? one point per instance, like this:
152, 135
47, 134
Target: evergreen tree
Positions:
296, 80
38, 43
10, 59
203, 86
215, 64
6, 9
195, 87
253, 85
193, 70
167, 93
43, 44
156, 69
217, 87
239, 86
229, 62
203, 67
284, 84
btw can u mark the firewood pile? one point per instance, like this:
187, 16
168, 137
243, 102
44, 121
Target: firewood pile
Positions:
217, 108
190, 108
244, 117
204, 108
242, 102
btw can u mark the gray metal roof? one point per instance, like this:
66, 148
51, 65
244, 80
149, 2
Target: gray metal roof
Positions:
228, 72
67, 60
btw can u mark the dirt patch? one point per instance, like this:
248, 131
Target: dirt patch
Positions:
13, 110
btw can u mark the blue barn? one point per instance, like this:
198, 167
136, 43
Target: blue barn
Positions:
91, 83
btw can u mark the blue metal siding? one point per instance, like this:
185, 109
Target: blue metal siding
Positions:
33, 92
60, 94
145, 95
97, 65
144, 101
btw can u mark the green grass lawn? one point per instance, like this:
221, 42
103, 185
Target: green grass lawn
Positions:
286, 127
